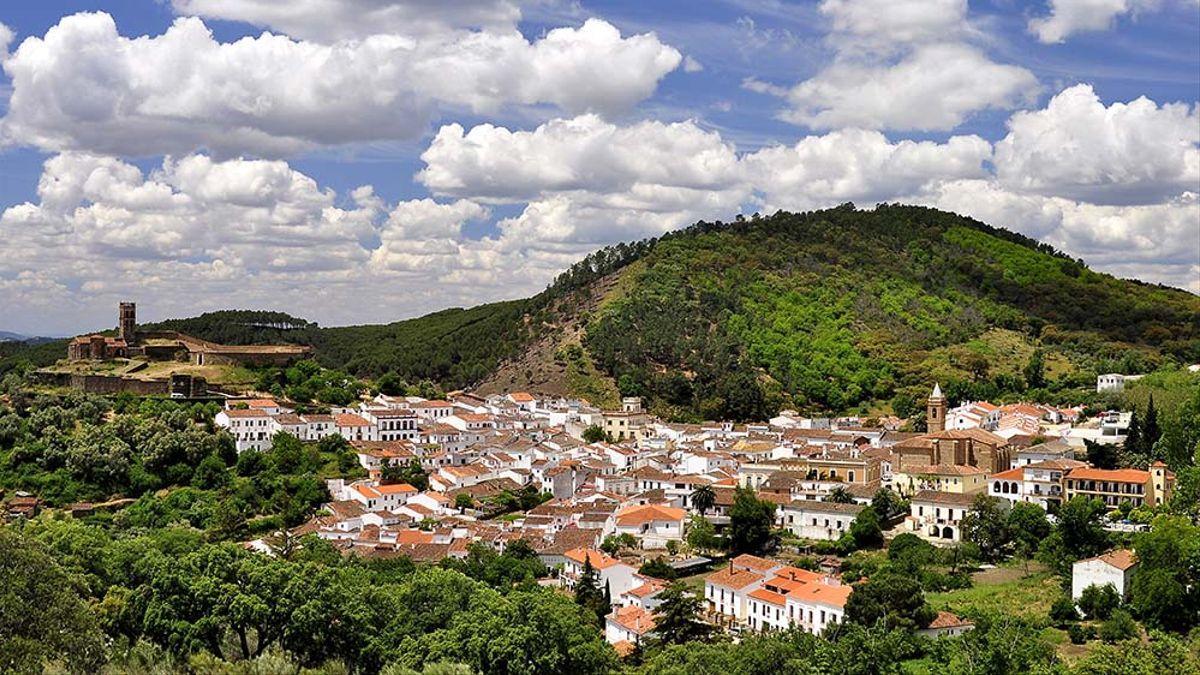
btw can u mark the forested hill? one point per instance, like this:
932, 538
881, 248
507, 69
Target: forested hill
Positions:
839, 310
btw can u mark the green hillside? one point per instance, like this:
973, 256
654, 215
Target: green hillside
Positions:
834, 310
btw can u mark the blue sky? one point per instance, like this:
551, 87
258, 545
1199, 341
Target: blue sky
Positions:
194, 172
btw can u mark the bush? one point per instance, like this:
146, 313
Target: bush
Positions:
1080, 633
1098, 602
1063, 611
1119, 626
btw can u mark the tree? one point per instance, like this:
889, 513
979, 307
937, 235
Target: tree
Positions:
657, 568
1098, 602
1028, 526
1103, 455
1135, 444
750, 522
703, 498
587, 591
41, 616
1120, 626
887, 504
1035, 370
893, 598
1063, 611
1165, 592
410, 473
463, 501
1078, 533
865, 531
615, 543
701, 534
677, 619
1151, 432
594, 434
840, 495
986, 526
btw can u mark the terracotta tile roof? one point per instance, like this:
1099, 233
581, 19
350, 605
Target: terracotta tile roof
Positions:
244, 412
634, 619
948, 620
396, 488
754, 562
350, 420
639, 515
735, 579
944, 470
949, 498
599, 560
763, 595
1111, 475
1012, 474
1121, 559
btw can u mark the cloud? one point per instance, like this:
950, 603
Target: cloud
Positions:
901, 65
896, 21
858, 165
588, 180
1068, 17
6, 38
334, 20
272, 95
1136, 152
933, 88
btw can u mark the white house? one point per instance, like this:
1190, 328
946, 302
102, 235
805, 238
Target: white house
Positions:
612, 574
628, 624
935, 516
819, 520
1114, 568
654, 525
251, 429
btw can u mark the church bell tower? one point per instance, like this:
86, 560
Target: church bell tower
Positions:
127, 323
935, 411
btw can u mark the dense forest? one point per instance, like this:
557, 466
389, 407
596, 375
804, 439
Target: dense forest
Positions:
841, 310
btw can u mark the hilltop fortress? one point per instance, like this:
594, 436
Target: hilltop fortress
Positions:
160, 345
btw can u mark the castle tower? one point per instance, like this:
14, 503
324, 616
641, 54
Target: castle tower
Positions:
127, 323
935, 411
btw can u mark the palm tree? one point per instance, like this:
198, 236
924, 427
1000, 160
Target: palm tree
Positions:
703, 498
840, 495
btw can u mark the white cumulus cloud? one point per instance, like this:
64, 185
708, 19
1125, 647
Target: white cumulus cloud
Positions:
1125, 152
1068, 17
273, 95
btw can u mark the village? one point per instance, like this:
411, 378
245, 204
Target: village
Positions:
599, 494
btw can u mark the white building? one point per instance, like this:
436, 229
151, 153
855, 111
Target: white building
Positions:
936, 516
818, 519
611, 573
251, 428
653, 524
1114, 568
1114, 381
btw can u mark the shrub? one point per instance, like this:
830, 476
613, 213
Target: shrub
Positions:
1063, 611
1080, 633
1098, 602
1119, 626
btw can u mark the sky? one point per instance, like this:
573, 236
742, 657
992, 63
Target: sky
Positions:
364, 161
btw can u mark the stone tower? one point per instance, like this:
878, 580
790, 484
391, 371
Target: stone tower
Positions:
935, 411
127, 323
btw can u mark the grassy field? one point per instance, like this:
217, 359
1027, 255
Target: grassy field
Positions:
1006, 589
1010, 591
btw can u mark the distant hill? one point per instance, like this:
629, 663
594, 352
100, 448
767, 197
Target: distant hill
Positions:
836, 310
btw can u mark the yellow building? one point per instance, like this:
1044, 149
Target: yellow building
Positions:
952, 478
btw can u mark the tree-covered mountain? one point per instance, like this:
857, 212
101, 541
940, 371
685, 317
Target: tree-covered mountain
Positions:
840, 309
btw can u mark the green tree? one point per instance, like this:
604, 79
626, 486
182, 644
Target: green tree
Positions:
865, 531
658, 568
986, 526
588, 593
1028, 526
1151, 431
750, 522
1117, 627
1035, 370
463, 501
41, 616
840, 495
1063, 611
1078, 533
701, 534
594, 434
887, 504
676, 621
1098, 602
1103, 455
703, 498
1165, 592
889, 597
